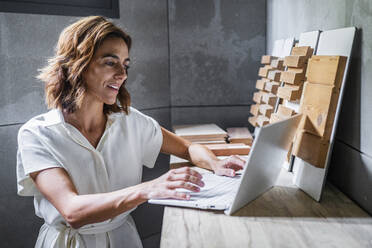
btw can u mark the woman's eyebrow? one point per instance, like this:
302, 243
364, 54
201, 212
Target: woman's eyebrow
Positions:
110, 55
115, 57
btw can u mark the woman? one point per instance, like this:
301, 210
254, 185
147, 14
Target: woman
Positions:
82, 161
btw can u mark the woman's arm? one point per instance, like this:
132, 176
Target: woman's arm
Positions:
79, 210
199, 155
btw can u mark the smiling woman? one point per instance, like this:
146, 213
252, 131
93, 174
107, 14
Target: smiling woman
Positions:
107, 71
77, 47
82, 161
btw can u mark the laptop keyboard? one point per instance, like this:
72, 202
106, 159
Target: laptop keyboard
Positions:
218, 190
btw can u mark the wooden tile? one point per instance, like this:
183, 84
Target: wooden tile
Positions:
277, 64
253, 120
295, 61
290, 93
319, 104
266, 59
292, 77
269, 98
285, 111
275, 117
257, 96
306, 51
263, 71
306, 125
254, 109
262, 120
260, 84
310, 148
326, 70
274, 75
272, 87
266, 110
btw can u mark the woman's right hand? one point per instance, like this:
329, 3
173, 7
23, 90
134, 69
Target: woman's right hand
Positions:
165, 186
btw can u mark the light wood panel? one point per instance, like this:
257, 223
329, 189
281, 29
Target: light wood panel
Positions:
282, 217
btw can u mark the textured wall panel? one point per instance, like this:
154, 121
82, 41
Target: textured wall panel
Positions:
26, 42
215, 48
146, 22
352, 173
17, 213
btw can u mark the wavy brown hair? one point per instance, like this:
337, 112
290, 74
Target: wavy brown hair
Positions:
64, 87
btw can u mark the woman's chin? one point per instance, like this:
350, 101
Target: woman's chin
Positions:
110, 101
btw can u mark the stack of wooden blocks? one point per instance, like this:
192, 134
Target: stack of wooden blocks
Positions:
268, 85
318, 106
293, 79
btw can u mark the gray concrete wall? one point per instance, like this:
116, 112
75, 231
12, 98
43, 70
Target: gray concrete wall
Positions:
216, 44
215, 48
351, 168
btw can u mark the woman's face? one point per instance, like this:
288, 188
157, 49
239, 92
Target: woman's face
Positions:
106, 71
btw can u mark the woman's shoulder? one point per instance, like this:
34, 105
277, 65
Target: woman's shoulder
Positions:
42, 121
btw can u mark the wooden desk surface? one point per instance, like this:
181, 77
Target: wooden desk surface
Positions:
282, 217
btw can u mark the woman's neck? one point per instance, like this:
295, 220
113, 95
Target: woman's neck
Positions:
88, 118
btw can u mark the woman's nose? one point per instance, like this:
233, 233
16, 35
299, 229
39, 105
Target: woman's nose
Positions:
122, 72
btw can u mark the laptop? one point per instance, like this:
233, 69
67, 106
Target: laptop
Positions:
260, 173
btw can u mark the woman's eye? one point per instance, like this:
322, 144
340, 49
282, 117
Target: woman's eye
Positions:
109, 63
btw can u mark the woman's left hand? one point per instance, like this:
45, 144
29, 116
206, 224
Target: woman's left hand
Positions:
200, 155
228, 166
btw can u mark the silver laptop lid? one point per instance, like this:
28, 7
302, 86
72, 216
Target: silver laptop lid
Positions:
264, 163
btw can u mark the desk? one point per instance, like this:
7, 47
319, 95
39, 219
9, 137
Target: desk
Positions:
282, 217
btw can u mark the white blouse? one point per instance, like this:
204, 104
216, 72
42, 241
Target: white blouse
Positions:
47, 141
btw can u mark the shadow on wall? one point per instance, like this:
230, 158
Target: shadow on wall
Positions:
349, 122
348, 164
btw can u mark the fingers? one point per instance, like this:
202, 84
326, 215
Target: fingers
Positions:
225, 172
170, 194
176, 195
187, 170
234, 162
227, 167
186, 178
181, 178
183, 185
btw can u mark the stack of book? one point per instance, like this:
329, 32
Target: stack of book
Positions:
239, 135
201, 133
215, 138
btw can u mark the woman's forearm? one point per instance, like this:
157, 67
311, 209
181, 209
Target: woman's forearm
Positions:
81, 210
78, 210
197, 154
201, 156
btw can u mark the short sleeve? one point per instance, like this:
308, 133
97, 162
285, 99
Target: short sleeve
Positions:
32, 156
152, 139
